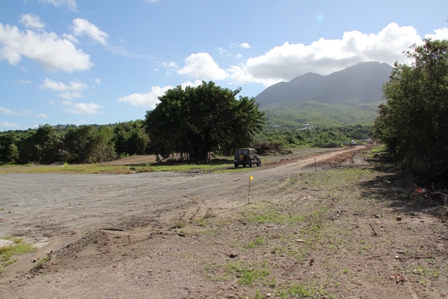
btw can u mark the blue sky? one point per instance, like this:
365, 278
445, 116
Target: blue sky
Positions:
105, 61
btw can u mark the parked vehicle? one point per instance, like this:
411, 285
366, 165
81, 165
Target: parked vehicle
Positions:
245, 157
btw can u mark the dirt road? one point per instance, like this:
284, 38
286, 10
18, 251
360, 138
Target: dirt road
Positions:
62, 205
167, 235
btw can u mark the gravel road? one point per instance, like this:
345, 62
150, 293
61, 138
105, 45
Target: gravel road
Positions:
61, 205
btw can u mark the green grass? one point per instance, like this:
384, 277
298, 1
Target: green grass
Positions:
267, 213
42, 262
108, 169
257, 242
8, 253
302, 291
248, 273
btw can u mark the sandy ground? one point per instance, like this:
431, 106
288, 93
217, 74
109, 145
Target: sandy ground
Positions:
194, 235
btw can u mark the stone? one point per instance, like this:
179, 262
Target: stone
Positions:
6, 243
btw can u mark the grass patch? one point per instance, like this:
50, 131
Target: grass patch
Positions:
247, 273
8, 252
302, 291
257, 242
40, 264
108, 169
271, 214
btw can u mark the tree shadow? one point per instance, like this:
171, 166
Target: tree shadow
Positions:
397, 188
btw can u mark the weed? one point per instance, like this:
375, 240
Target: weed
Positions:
40, 264
19, 248
267, 213
248, 274
436, 273
257, 242
217, 277
302, 291
271, 283
420, 270
346, 271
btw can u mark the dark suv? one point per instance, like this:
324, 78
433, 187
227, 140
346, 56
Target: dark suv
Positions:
246, 156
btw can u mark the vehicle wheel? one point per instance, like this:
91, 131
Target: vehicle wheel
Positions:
236, 165
251, 164
259, 163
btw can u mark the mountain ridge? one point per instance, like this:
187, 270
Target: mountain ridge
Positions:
358, 88
363, 81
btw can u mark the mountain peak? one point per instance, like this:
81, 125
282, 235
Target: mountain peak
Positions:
362, 81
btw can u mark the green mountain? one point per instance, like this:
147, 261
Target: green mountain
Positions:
347, 97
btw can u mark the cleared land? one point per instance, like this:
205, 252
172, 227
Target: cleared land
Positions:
333, 225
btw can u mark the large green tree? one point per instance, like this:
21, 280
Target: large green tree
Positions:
203, 119
413, 123
86, 144
130, 138
8, 148
40, 146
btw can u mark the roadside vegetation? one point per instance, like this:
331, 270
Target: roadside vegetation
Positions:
413, 122
114, 169
8, 254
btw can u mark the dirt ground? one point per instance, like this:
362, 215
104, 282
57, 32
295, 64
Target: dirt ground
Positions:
335, 224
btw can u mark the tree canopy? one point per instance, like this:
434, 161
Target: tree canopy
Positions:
198, 120
84, 144
413, 123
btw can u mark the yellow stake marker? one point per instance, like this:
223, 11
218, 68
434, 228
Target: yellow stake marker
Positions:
248, 193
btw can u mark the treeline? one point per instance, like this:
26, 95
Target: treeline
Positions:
285, 137
99, 143
413, 123
83, 144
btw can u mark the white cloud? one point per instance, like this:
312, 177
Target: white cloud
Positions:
245, 45
23, 82
196, 83
439, 34
151, 1
70, 95
52, 52
70, 38
287, 61
41, 115
83, 108
202, 66
83, 27
171, 64
221, 50
59, 86
98, 81
32, 21
9, 125
71, 4
7, 111
22, 113
151, 99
